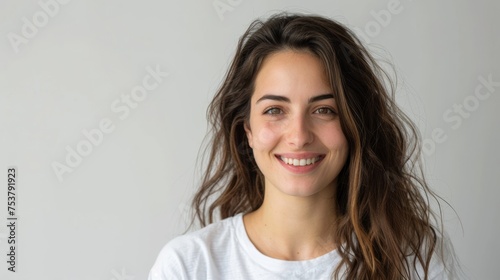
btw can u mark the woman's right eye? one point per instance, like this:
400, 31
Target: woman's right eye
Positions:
273, 111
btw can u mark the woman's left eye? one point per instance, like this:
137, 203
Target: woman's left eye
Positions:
324, 111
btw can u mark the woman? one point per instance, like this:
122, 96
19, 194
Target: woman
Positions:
312, 169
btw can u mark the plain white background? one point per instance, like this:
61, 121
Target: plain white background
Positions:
65, 68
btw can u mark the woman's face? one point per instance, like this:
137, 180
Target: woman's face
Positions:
294, 129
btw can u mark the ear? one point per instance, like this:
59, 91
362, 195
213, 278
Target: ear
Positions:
248, 131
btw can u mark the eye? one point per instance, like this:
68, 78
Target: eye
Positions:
324, 111
273, 111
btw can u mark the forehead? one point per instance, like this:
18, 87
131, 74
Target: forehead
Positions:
291, 73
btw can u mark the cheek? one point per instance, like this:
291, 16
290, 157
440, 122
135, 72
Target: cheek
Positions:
334, 138
265, 137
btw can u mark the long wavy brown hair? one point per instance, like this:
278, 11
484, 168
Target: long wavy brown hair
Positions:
385, 223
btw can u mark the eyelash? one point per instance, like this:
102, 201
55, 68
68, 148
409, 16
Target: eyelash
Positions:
331, 111
268, 111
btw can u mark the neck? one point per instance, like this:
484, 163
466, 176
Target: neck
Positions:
293, 227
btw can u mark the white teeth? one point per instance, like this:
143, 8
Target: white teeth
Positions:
299, 162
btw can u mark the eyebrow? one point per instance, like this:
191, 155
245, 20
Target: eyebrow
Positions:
286, 99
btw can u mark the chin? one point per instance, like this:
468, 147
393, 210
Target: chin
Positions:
302, 189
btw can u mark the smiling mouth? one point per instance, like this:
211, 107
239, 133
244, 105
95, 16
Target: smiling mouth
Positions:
300, 162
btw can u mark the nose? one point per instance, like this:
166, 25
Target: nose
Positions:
299, 132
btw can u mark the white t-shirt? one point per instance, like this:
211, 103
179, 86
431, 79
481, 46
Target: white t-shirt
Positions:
223, 251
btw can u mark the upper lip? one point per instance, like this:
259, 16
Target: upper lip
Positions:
299, 155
